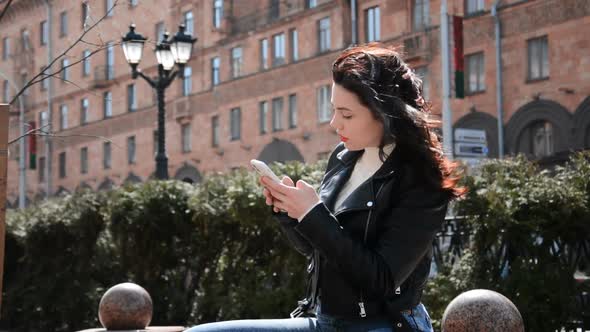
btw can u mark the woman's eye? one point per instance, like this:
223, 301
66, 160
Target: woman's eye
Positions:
347, 117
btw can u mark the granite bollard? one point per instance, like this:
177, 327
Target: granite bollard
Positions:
125, 306
482, 310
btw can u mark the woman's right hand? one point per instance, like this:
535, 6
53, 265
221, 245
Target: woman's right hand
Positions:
269, 199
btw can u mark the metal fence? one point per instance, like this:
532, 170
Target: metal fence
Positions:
456, 235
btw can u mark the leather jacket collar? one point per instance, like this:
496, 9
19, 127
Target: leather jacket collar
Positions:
364, 196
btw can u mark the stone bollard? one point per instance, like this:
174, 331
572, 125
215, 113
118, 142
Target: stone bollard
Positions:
482, 310
128, 307
125, 306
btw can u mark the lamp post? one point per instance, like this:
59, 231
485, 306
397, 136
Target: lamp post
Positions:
176, 50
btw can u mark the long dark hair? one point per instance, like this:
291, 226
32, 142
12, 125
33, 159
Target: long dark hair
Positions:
393, 92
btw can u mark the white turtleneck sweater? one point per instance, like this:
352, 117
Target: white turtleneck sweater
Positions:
366, 165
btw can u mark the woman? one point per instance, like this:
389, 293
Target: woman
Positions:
369, 231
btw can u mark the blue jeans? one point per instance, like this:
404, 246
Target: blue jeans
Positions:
418, 319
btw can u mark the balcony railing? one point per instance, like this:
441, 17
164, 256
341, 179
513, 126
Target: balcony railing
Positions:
417, 45
102, 75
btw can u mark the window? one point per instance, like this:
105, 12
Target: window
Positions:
86, 63
106, 155
131, 150
45, 82
372, 24
324, 109
65, 70
278, 44
6, 92
109, 8
475, 73
421, 14
5, 48
110, 70
263, 115
43, 33
538, 58
159, 32
474, 6
131, 98
215, 63
294, 45
185, 131
217, 13
235, 123
324, 34
84, 160
215, 131
540, 139
62, 165
274, 9
293, 111
25, 40
187, 80
236, 62
264, 53
107, 104
43, 120
63, 24
41, 169
189, 22
277, 114
422, 72
63, 117
311, 3
84, 105
85, 15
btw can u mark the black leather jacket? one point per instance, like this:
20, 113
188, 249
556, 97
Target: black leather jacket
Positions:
371, 257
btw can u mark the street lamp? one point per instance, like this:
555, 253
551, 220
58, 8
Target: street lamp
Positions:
177, 51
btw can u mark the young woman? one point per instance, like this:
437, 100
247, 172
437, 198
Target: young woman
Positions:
368, 232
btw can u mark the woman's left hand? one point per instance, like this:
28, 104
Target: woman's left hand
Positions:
294, 199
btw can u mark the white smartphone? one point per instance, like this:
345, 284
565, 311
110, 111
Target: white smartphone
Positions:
262, 168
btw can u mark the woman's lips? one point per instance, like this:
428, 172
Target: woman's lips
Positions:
343, 139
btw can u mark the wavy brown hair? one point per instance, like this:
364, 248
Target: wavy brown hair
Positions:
393, 92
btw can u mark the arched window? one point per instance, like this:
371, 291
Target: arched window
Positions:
542, 139
539, 136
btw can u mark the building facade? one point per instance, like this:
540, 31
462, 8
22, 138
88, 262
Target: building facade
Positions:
258, 84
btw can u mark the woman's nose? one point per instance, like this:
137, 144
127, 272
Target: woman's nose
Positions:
333, 123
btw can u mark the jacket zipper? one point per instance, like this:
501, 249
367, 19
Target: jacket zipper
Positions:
362, 311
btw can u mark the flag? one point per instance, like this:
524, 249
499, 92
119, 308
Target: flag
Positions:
458, 56
32, 147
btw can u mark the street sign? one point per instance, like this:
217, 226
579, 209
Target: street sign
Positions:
471, 149
470, 143
470, 135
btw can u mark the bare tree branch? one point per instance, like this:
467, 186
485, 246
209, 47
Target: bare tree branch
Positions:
5, 9
35, 79
58, 76
30, 132
40, 132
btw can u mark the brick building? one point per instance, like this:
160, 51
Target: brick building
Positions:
258, 83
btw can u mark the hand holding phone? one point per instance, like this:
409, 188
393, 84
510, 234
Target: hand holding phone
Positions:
262, 168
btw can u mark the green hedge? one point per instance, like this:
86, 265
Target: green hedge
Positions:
527, 225
212, 251
204, 253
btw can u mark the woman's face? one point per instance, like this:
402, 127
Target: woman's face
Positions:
353, 121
